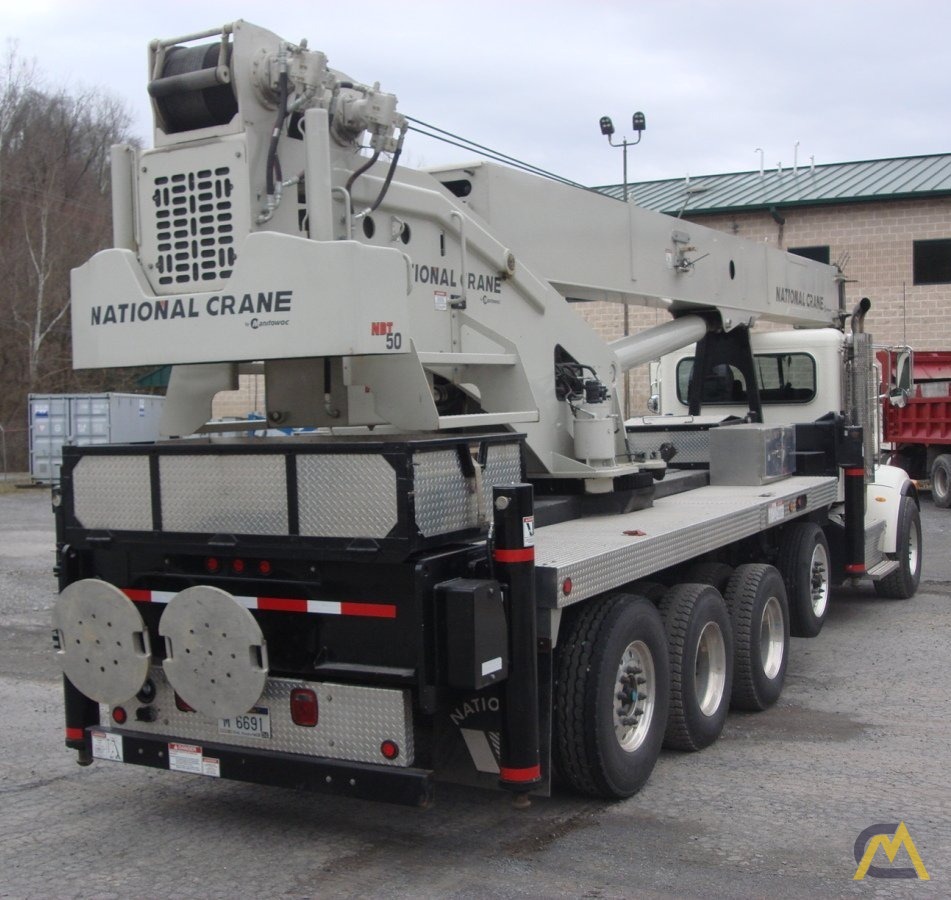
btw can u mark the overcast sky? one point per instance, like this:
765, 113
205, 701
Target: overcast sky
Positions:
716, 78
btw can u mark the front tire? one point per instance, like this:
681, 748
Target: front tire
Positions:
805, 564
903, 582
700, 642
756, 597
612, 687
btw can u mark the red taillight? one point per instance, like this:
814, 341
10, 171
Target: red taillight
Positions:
264, 567
390, 749
119, 715
181, 705
237, 566
566, 586
304, 707
212, 565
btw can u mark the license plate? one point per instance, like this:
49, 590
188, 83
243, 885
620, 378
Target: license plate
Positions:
256, 724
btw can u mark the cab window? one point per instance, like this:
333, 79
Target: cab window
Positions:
782, 377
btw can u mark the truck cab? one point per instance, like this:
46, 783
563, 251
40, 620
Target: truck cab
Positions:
799, 374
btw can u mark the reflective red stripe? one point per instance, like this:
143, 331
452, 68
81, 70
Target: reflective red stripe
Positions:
282, 604
137, 595
855, 568
75, 734
527, 554
855, 473
532, 773
373, 610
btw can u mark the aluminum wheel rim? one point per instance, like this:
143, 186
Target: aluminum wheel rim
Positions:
771, 637
635, 692
710, 669
913, 544
819, 580
939, 482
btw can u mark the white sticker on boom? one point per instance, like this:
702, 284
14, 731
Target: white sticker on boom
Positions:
189, 758
528, 531
107, 746
440, 300
492, 665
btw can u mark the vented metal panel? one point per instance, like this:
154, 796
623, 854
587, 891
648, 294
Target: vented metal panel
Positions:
244, 494
445, 499
194, 226
353, 721
346, 495
193, 209
113, 492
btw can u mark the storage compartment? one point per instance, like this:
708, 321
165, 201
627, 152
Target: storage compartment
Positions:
752, 454
689, 436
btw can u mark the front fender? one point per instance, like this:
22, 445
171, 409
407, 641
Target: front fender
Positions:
883, 498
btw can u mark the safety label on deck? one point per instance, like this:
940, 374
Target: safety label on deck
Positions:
189, 758
107, 746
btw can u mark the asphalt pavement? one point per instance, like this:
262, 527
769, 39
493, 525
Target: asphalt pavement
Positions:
860, 738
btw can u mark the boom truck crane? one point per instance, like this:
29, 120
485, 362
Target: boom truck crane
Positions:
470, 570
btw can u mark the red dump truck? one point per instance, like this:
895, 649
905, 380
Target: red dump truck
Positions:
916, 416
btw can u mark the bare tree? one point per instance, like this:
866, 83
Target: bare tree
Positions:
54, 214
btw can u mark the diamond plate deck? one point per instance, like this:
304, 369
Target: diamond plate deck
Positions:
599, 554
353, 721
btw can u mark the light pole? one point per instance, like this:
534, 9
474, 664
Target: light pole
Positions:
638, 123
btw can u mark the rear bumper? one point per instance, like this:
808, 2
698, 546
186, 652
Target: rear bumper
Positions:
406, 786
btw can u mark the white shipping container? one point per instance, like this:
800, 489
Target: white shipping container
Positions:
113, 418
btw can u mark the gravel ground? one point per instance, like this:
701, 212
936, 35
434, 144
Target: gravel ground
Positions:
861, 736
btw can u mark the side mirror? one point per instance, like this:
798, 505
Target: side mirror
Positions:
653, 404
900, 392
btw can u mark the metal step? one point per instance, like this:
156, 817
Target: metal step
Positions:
885, 567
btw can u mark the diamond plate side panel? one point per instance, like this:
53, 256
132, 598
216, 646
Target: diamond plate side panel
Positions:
113, 492
503, 465
346, 495
230, 494
692, 446
444, 498
352, 722
598, 556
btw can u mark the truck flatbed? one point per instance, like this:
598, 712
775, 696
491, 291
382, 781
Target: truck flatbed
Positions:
596, 554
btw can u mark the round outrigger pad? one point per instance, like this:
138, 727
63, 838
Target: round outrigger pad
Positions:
103, 642
215, 654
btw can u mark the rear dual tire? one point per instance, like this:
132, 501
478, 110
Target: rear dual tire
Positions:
700, 644
759, 612
611, 692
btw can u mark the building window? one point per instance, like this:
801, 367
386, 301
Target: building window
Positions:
932, 262
819, 254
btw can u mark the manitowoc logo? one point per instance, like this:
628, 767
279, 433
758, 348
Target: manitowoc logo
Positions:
890, 838
215, 306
